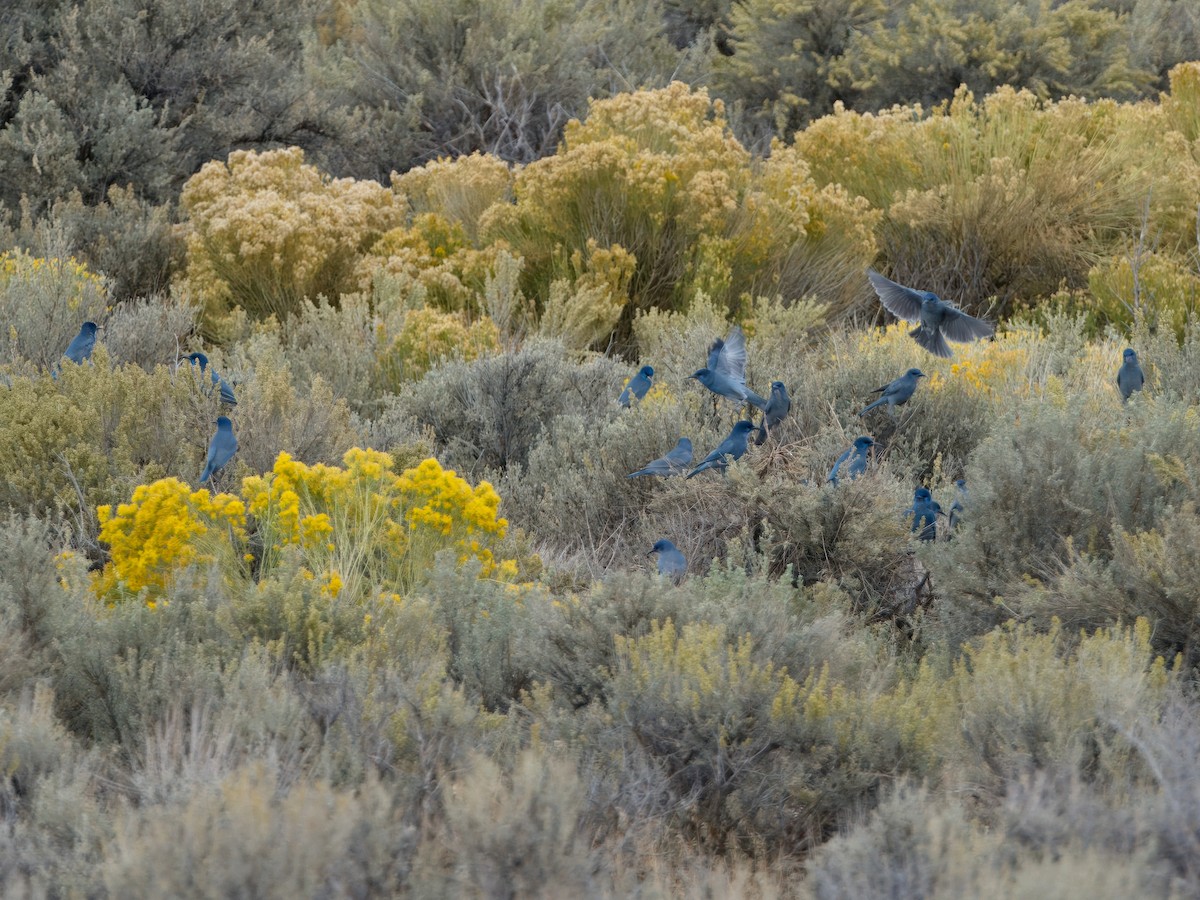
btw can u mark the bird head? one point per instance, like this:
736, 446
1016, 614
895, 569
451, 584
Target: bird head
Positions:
961, 484
744, 427
200, 359
224, 424
1130, 355
660, 545
862, 443
778, 387
701, 374
915, 373
88, 328
922, 493
685, 442
648, 371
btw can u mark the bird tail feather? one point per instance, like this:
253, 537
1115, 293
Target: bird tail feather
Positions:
871, 406
933, 341
758, 401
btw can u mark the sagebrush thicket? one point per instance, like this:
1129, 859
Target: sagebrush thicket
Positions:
409, 642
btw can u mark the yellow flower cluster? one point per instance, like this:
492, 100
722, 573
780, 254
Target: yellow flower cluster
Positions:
354, 528
435, 503
161, 531
365, 521
992, 367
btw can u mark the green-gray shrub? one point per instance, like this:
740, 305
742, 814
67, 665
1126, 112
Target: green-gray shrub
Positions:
490, 413
150, 331
1064, 475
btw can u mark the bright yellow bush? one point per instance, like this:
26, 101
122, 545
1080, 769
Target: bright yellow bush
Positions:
264, 231
356, 530
365, 522
161, 531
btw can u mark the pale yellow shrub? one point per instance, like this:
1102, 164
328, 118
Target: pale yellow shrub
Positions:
265, 230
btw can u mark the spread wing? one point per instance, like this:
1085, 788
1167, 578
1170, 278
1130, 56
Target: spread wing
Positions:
960, 327
714, 353
897, 299
729, 356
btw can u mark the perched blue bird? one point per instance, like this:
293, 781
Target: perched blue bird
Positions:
638, 385
959, 504
779, 404
1129, 376
220, 449
855, 460
924, 512
674, 463
731, 448
725, 374
81, 346
671, 562
895, 393
222, 385
937, 319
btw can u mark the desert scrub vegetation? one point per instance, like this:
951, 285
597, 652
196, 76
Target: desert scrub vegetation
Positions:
1006, 202
410, 642
433, 679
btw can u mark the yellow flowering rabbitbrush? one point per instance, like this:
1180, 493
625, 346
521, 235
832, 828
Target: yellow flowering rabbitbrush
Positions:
353, 528
265, 230
161, 531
